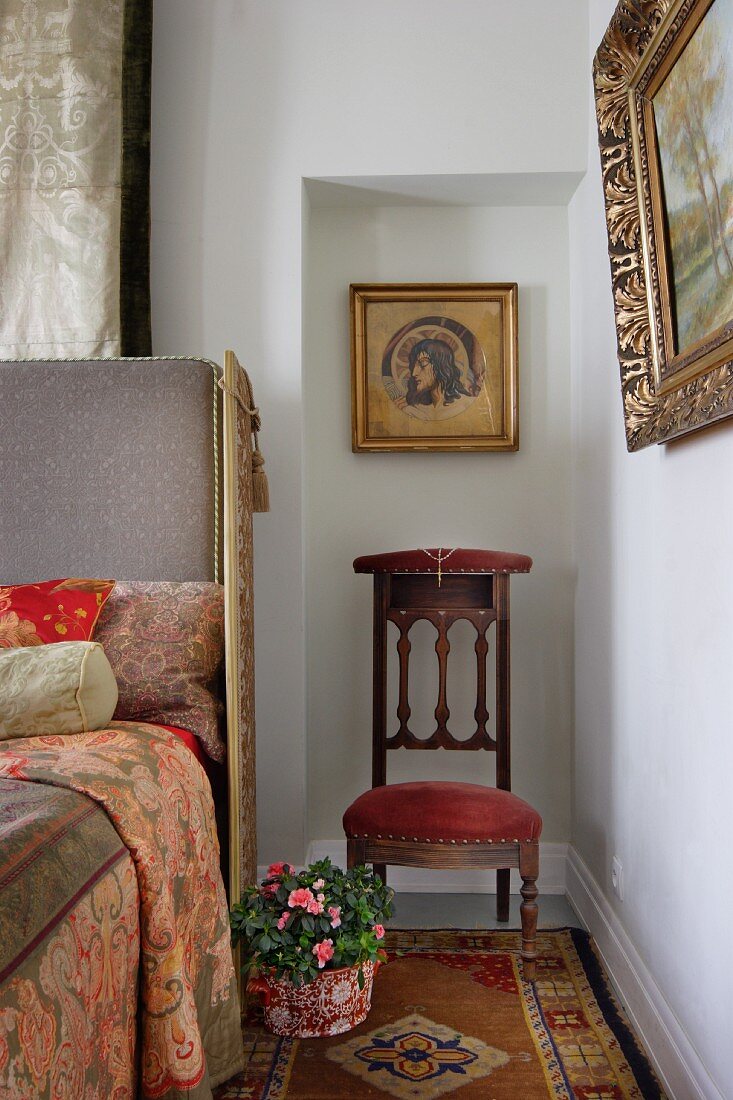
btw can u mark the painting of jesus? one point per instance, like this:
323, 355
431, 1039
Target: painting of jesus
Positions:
434, 366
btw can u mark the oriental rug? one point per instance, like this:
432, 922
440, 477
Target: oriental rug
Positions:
451, 1017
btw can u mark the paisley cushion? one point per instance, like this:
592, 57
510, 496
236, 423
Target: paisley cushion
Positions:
63, 610
165, 643
64, 687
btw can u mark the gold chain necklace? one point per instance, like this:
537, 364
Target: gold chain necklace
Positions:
440, 559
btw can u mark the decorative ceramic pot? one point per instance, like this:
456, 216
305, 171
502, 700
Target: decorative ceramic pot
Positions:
331, 1004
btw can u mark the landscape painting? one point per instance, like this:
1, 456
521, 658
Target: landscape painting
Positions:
693, 113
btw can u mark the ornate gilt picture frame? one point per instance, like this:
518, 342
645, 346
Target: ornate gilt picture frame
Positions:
663, 78
434, 367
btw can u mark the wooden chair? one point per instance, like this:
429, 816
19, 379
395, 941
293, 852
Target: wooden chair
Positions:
446, 824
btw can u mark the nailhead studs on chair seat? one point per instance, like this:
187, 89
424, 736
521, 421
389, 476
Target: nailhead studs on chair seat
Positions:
461, 810
455, 560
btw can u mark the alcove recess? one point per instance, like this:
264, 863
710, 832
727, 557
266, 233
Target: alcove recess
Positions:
437, 228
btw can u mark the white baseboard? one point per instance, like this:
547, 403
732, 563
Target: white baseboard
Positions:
415, 880
675, 1059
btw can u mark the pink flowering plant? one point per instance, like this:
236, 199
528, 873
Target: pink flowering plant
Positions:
293, 926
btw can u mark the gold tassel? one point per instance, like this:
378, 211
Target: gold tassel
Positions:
260, 487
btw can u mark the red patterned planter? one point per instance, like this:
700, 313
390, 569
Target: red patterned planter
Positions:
329, 1005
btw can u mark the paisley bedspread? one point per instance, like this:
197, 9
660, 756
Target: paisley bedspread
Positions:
116, 972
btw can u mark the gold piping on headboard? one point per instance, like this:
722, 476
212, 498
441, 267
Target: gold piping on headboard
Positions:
217, 525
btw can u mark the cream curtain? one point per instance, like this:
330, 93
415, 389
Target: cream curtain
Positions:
68, 120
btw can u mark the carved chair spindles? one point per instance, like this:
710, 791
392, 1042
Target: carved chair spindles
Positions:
445, 824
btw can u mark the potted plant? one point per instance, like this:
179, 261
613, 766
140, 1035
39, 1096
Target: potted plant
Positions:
312, 943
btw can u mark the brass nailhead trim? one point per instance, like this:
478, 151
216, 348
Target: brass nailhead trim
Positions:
440, 840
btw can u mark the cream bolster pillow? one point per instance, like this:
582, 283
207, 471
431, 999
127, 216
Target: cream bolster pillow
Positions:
64, 687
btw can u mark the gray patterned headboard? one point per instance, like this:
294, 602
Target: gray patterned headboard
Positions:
109, 468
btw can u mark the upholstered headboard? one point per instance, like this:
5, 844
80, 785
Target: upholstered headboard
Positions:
110, 469
140, 469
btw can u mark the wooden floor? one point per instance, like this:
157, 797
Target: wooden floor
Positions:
475, 911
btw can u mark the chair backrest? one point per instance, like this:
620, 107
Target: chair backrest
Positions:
442, 587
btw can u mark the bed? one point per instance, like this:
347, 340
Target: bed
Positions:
119, 846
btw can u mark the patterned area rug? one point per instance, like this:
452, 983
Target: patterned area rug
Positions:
451, 1017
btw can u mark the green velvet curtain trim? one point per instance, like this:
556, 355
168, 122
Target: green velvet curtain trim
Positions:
135, 325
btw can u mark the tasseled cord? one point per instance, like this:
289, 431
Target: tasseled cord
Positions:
260, 488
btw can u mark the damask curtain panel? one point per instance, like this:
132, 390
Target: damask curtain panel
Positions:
74, 178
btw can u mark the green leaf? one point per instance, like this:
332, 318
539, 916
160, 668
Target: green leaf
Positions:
363, 901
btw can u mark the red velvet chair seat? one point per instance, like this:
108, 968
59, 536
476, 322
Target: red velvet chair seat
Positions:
452, 560
448, 813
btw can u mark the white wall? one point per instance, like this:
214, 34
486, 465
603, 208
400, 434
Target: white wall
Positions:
249, 98
653, 663
358, 504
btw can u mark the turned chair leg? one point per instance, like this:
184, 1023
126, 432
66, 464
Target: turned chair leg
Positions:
502, 894
354, 853
529, 870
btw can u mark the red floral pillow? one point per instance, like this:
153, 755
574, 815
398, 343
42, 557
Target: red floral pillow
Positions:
51, 611
165, 642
